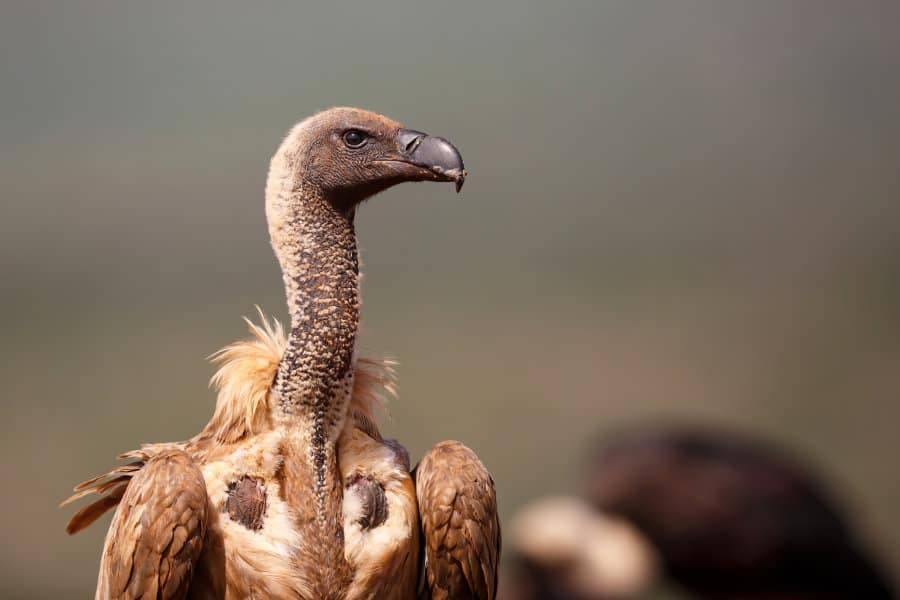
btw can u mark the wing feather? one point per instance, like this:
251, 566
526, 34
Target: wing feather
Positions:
460, 526
156, 536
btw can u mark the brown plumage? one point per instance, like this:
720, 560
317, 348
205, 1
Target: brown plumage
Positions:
167, 496
290, 491
458, 509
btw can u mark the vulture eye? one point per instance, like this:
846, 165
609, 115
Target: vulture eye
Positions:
355, 138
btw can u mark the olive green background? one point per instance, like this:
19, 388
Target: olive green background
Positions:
675, 210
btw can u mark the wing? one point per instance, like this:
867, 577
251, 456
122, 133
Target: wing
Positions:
460, 526
155, 538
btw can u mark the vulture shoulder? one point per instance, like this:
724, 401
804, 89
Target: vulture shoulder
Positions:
156, 536
460, 526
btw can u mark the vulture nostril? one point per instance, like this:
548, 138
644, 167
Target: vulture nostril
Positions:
413, 144
410, 139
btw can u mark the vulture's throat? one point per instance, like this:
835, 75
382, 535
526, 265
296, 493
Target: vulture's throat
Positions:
316, 246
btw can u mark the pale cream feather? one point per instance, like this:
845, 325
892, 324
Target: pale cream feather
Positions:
246, 371
384, 558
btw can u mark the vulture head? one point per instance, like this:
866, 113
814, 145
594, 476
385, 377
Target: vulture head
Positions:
346, 155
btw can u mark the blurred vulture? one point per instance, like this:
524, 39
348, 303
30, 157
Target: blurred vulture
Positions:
718, 515
290, 491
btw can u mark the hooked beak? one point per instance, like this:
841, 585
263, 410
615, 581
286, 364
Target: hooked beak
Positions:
436, 156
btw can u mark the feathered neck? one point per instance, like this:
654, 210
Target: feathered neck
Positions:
316, 247
315, 244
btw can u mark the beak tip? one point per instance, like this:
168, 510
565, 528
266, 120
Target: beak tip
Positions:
457, 176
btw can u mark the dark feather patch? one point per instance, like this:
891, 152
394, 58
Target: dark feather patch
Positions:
374, 502
246, 502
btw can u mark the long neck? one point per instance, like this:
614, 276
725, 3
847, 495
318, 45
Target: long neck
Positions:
320, 265
316, 246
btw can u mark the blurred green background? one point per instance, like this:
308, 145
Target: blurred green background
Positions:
675, 209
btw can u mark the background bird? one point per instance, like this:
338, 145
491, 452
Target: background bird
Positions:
720, 514
290, 490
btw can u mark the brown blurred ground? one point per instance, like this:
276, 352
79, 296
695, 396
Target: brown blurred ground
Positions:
690, 209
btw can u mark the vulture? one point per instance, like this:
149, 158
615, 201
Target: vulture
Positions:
290, 491
719, 514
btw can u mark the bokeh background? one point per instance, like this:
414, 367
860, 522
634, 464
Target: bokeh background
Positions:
675, 210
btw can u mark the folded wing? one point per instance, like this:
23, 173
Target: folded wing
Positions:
460, 526
156, 535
